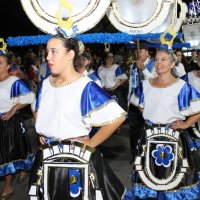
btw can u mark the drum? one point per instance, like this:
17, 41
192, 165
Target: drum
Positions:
64, 173
162, 163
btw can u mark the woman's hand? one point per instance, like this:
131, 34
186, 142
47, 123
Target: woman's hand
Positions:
140, 65
9, 114
179, 124
42, 140
85, 140
12, 111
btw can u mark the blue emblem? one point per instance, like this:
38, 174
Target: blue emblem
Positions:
68, 33
163, 155
75, 182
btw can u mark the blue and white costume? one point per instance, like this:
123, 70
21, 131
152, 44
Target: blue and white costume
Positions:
87, 107
69, 112
194, 80
165, 167
15, 150
109, 78
111, 75
94, 76
135, 75
136, 120
179, 70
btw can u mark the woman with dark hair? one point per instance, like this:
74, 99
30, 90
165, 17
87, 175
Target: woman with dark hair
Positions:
84, 67
112, 77
179, 68
164, 167
15, 149
181, 59
68, 106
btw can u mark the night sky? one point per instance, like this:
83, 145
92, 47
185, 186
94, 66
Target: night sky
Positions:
12, 14
14, 21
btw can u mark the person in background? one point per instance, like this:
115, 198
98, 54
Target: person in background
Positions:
118, 58
29, 56
179, 68
15, 149
68, 106
96, 61
21, 74
164, 167
44, 70
193, 78
142, 68
112, 77
193, 61
33, 75
83, 67
16, 70
13, 57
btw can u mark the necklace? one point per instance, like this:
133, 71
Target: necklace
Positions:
59, 85
64, 83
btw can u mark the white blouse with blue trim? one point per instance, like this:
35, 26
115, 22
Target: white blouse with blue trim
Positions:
110, 76
165, 105
194, 80
14, 91
71, 111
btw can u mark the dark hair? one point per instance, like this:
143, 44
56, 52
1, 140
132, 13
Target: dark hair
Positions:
69, 44
104, 56
143, 46
194, 50
87, 55
184, 60
7, 58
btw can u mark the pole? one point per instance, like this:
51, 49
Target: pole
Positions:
138, 49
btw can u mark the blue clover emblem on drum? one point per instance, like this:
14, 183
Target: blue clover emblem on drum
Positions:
157, 164
163, 155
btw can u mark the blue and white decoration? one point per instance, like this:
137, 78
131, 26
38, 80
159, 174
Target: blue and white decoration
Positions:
152, 16
165, 152
75, 182
163, 155
128, 16
71, 151
194, 8
86, 14
94, 38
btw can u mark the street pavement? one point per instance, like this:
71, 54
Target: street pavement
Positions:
115, 150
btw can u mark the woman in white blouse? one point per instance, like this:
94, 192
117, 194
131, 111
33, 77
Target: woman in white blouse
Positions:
164, 167
15, 150
112, 77
69, 104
